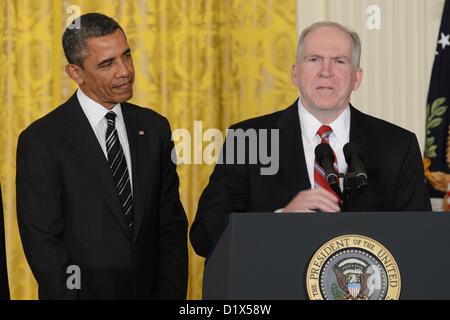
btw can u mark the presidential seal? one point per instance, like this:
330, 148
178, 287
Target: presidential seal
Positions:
353, 267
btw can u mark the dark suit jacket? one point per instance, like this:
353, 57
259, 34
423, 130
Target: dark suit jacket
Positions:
393, 164
4, 287
69, 211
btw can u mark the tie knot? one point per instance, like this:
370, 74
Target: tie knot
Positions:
324, 132
111, 118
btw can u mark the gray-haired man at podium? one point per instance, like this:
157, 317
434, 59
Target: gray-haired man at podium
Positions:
326, 72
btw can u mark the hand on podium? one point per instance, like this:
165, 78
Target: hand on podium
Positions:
314, 200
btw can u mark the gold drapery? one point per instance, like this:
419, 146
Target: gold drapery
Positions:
215, 61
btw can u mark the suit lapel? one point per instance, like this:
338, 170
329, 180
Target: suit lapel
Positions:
292, 155
358, 128
360, 134
141, 163
83, 139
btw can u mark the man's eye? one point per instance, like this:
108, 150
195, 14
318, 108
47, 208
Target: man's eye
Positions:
339, 61
106, 64
313, 59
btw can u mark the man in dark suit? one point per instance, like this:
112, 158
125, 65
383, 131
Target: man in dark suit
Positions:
4, 286
326, 72
97, 192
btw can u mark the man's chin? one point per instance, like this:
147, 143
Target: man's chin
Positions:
124, 97
325, 106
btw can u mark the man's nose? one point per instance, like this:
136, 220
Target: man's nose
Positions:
326, 70
123, 69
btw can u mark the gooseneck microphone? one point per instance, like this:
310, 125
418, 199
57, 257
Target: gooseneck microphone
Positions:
356, 174
325, 158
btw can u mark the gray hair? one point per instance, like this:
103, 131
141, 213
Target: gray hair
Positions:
353, 35
74, 40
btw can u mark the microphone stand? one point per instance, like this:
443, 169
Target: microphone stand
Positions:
347, 195
353, 186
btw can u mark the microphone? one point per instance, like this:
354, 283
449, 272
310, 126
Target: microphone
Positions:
356, 174
325, 158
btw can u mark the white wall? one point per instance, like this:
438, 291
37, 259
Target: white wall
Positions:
397, 59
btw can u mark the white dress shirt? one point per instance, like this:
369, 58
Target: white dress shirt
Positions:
340, 136
96, 113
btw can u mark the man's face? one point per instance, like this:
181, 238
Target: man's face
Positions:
325, 72
107, 72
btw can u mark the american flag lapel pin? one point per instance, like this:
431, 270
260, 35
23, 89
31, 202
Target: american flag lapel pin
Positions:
141, 132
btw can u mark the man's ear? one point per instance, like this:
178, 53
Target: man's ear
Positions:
75, 73
358, 78
294, 75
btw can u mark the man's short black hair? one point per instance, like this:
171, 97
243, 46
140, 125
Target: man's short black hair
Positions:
92, 25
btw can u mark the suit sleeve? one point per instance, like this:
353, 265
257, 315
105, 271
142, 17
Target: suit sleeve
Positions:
411, 192
39, 213
4, 286
226, 192
172, 249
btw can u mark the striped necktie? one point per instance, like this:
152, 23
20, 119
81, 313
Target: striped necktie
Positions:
324, 133
119, 169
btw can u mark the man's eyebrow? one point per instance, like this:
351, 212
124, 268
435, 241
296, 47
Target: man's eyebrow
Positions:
313, 55
342, 57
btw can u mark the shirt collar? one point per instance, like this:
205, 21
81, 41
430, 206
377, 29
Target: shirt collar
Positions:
310, 125
94, 111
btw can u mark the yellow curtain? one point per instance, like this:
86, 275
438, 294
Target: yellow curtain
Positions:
215, 61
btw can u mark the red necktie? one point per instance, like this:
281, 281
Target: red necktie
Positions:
324, 133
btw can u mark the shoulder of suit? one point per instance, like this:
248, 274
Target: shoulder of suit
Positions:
143, 111
55, 119
379, 126
146, 114
267, 121
50, 122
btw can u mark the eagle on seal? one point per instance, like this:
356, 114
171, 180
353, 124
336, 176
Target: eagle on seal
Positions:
352, 275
